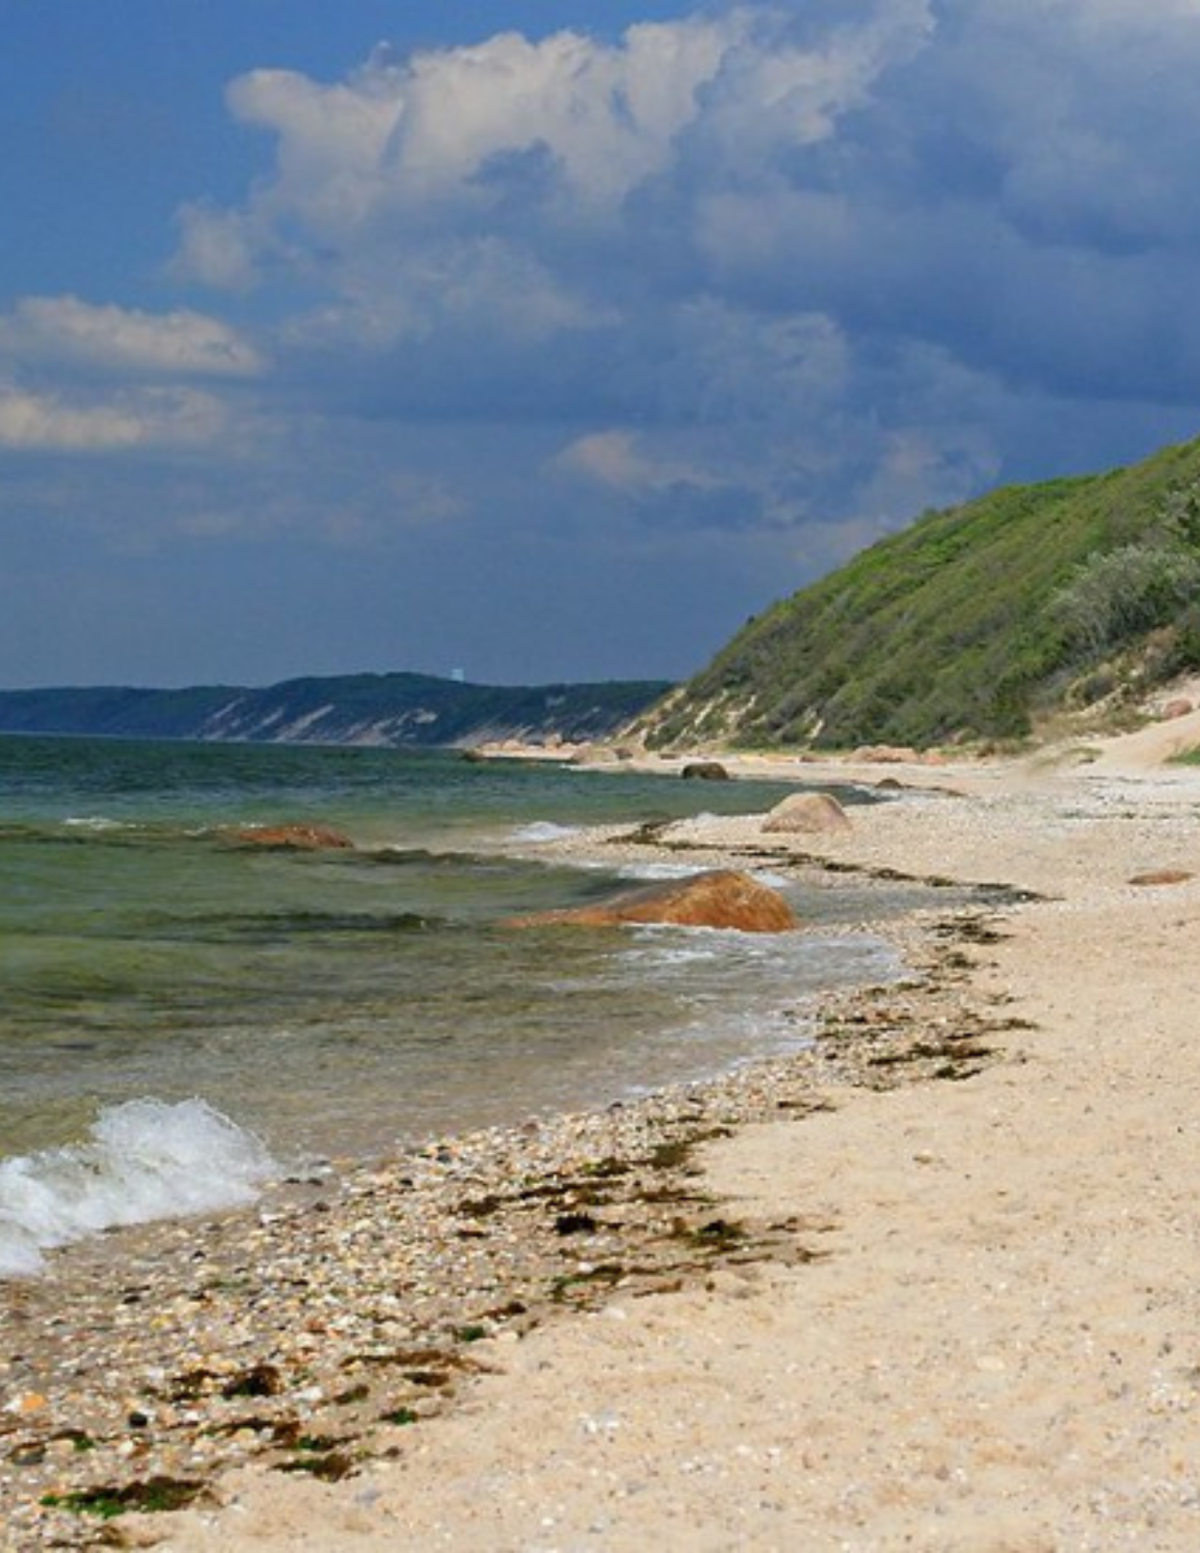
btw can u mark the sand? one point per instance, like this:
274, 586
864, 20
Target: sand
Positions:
995, 1343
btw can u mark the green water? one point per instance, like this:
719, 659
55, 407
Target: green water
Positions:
336, 1002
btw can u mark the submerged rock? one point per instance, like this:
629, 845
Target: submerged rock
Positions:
806, 814
721, 898
304, 838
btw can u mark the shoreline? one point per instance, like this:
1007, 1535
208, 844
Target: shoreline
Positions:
440, 1205
841, 1305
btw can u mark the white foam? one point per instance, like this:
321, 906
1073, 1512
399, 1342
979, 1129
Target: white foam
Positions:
772, 881
143, 1160
544, 830
650, 872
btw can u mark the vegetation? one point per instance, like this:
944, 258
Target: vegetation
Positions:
974, 623
386, 709
156, 1495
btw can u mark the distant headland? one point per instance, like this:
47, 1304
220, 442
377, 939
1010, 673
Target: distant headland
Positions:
381, 710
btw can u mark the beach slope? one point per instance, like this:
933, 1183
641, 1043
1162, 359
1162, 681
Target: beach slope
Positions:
994, 1341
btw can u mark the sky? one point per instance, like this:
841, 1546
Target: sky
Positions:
552, 341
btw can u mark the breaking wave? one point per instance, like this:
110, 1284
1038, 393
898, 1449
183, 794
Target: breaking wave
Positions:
544, 830
143, 1160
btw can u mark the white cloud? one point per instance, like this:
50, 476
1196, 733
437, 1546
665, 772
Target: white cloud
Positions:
39, 422
777, 266
606, 116
217, 248
519, 159
69, 331
619, 460
30, 422
782, 242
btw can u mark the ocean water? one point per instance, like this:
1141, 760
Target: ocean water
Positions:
182, 1017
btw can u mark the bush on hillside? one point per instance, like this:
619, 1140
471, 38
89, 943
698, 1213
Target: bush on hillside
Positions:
1125, 593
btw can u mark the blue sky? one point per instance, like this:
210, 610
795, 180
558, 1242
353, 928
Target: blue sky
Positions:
494, 336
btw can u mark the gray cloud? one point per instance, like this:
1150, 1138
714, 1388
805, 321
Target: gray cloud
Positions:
571, 229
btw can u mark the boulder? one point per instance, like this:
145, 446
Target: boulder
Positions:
721, 898
301, 838
1162, 876
1181, 707
704, 771
806, 814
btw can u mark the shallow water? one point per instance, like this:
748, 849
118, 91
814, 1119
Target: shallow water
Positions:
336, 1002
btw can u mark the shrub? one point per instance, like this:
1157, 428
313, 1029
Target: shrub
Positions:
1123, 593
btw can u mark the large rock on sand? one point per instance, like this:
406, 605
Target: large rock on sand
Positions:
301, 838
721, 898
705, 771
806, 814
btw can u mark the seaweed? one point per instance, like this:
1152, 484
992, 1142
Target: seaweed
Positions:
155, 1495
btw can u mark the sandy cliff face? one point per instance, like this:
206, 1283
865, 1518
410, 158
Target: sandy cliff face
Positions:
383, 710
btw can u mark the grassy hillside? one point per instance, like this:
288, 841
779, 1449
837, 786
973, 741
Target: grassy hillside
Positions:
974, 622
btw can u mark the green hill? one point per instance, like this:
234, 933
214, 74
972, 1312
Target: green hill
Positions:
978, 622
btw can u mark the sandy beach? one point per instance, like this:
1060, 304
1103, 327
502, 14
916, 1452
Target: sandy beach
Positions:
931, 1285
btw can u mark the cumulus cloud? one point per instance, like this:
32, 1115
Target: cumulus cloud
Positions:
74, 333
773, 277
738, 215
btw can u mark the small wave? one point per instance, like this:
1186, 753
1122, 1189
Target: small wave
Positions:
422, 857
545, 830
661, 955
143, 1160
94, 822
650, 872
285, 927
773, 881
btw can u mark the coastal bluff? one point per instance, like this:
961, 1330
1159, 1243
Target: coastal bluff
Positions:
384, 711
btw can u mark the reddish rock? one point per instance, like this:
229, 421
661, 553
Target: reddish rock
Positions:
806, 814
1162, 876
721, 898
303, 838
1177, 708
